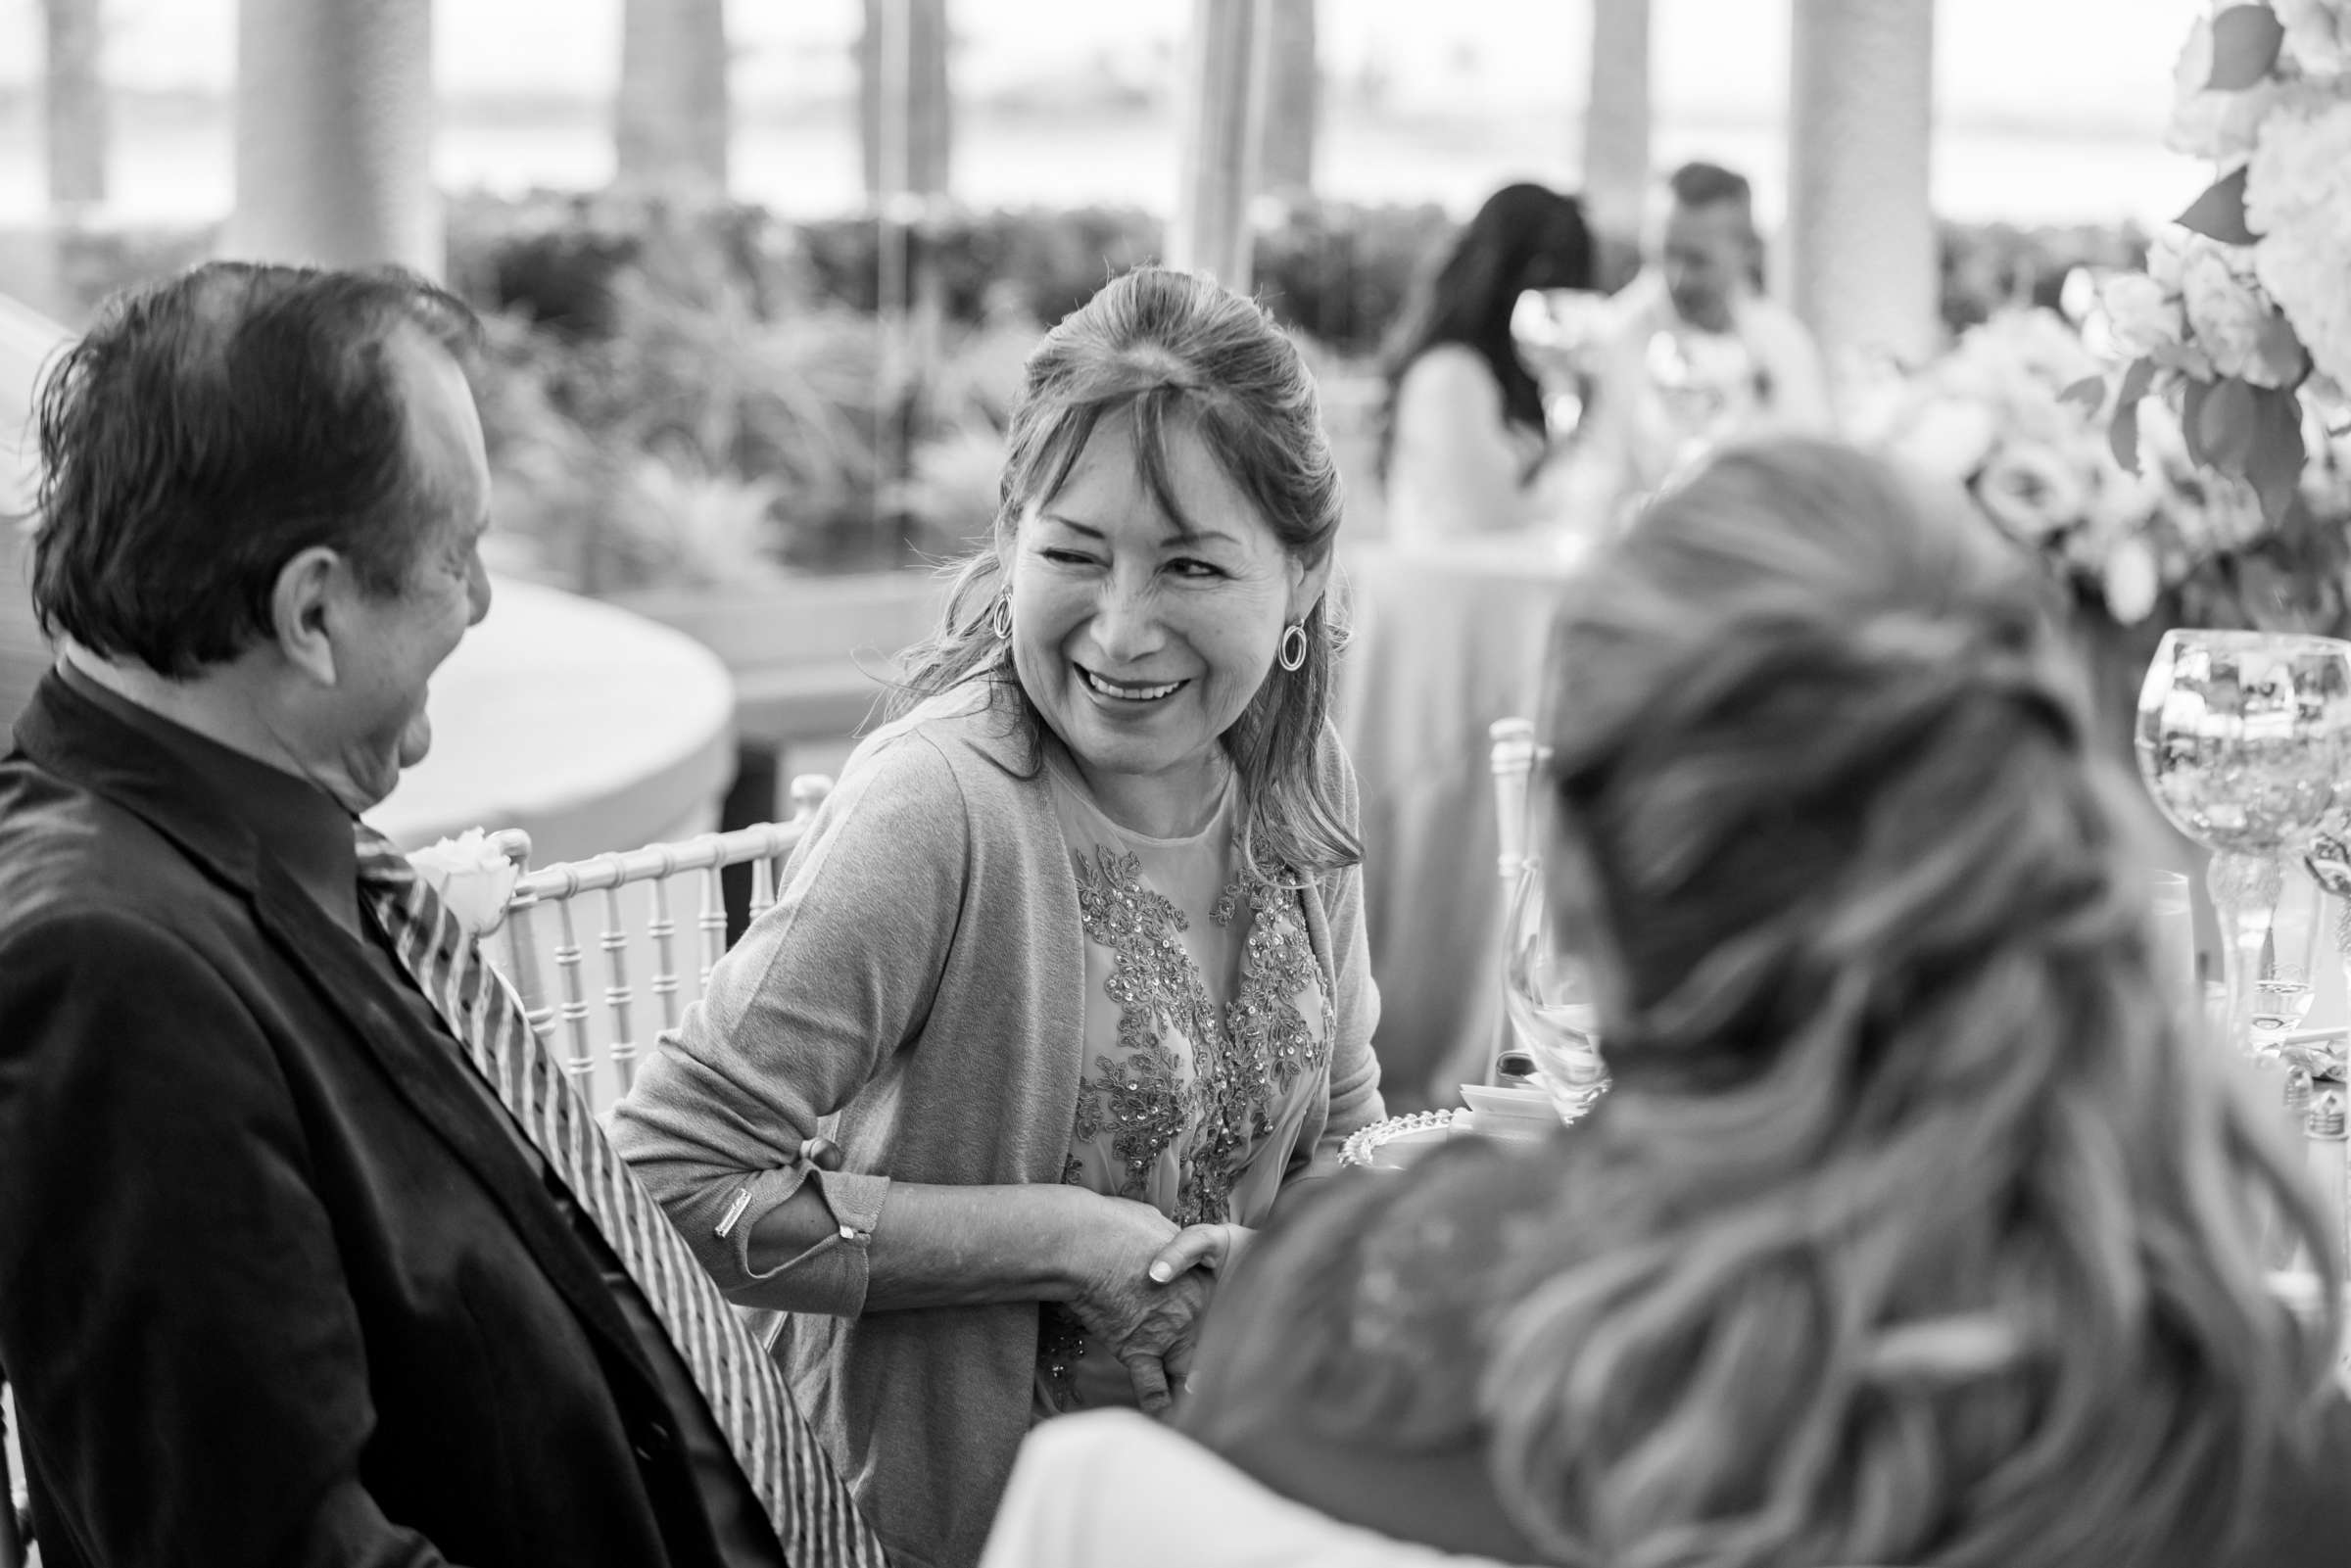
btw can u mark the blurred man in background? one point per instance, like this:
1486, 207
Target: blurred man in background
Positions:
1699, 354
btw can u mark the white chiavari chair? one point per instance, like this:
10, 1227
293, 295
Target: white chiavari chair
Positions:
1516, 757
639, 934
15, 1528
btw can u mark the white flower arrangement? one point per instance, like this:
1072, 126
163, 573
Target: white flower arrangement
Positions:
2003, 415
474, 878
2242, 320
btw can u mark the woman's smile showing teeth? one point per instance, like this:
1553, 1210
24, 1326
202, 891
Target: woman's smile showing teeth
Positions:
1129, 690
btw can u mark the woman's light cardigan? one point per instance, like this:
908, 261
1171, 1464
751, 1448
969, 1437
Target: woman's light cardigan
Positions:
916, 995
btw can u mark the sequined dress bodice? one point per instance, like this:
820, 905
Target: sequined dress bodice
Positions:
1206, 1035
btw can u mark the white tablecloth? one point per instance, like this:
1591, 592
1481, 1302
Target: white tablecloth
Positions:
1447, 639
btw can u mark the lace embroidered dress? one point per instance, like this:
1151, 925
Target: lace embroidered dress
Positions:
1206, 1041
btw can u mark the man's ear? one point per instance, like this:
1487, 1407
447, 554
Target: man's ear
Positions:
302, 604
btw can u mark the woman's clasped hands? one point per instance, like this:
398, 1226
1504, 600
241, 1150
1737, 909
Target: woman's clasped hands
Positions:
1142, 1292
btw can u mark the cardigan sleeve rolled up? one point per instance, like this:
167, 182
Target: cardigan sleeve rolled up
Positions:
799, 1016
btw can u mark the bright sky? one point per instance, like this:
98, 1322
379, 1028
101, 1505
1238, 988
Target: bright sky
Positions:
2026, 59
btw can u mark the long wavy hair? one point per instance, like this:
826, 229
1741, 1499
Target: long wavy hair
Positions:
1524, 236
1179, 352
1918, 1226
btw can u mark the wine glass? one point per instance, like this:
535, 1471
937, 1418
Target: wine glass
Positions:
2284, 982
1548, 995
2240, 739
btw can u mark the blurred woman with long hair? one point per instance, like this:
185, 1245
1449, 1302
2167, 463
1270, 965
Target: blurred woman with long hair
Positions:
1917, 1227
1464, 429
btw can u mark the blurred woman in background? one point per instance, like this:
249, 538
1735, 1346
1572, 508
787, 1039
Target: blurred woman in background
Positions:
1465, 431
1917, 1227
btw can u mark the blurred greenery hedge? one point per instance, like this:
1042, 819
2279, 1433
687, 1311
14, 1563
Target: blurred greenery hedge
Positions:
675, 400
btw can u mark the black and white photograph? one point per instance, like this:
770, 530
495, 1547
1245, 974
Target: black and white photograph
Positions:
1177, 783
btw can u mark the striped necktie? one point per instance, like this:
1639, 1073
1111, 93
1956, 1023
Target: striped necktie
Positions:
814, 1516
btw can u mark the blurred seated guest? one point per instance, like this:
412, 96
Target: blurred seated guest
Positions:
1699, 355
1465, 429
1070, 968
1916, 1228
1115, 1489
287, 1282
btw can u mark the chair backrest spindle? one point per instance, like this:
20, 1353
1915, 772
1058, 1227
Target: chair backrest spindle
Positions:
11, 1533
712, 921
1516, 757
663, 929
580, 1061
763, 886
612, 1030
523, 967
618, 993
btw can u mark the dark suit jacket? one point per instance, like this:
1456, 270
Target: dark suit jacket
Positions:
275, 1286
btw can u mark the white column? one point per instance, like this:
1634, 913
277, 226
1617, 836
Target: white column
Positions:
672, 119
1293, 100
1860, 233
74, 109
905, 102
1223, 127
334, 144
1616, 121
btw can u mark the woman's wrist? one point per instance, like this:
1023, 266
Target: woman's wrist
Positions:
1071, 1219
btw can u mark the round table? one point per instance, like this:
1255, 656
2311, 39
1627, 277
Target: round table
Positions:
586, 727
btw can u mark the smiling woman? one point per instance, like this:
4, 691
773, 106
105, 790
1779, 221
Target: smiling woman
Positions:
1142, 629
1068, 982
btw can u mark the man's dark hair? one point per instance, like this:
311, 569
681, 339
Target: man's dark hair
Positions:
210, 427
1705, 185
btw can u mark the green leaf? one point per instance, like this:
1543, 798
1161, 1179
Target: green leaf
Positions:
2191, 420
2122, 436
2280, 345
2225, 426
2089, 392
2244, 46
2220, 212
2273, 455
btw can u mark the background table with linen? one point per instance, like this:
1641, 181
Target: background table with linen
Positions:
1446, 639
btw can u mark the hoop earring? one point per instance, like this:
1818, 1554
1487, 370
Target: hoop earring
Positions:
1293, 653
999, 619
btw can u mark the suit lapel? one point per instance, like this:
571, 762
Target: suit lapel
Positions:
81, 742
425, 1068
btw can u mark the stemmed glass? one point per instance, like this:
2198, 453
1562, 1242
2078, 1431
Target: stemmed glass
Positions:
2329, 863
2241, 737
1549, 999
2284, 983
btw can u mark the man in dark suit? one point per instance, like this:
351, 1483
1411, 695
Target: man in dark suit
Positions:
282, 1281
